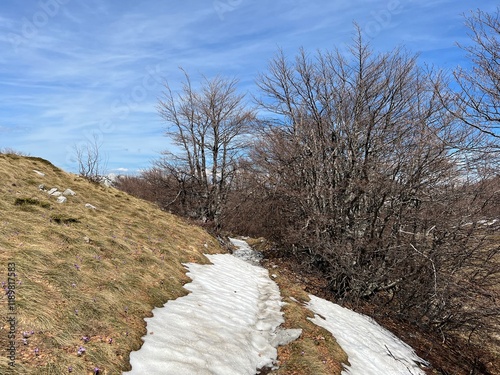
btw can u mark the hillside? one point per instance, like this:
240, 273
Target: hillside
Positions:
87, 271
82, 265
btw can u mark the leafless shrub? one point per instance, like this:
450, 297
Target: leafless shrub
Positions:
372, 192
11, 151
91, 163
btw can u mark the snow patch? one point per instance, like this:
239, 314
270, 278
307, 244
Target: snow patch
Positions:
371, 349
245, 252
225, 326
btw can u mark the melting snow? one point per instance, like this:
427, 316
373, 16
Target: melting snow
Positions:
371, 349
245, 252
226, 325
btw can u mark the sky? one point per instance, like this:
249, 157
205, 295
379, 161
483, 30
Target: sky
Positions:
76, 70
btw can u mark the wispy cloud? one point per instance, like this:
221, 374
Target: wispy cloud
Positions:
95, 66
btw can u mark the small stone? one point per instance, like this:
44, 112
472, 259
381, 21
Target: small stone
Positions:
41, 187
52, 191
86, 239
61, 199
39, 173
56, 194
88, 205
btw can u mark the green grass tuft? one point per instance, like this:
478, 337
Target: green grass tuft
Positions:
31, 202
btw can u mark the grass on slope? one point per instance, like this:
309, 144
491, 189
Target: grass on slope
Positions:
85, 278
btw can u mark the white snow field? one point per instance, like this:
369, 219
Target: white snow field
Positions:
371, 349
225, 326
228, 325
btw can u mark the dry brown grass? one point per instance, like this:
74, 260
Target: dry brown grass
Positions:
84, 272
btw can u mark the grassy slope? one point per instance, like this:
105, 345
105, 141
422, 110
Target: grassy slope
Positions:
83, 272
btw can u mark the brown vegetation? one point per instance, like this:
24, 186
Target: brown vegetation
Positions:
82, 272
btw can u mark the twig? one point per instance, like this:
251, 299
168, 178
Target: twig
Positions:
433, 267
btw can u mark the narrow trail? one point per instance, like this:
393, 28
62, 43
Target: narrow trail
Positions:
229, 325
226, 325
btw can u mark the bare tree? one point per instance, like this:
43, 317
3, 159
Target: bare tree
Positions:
91, 163
375, 195
478, 101
210, 125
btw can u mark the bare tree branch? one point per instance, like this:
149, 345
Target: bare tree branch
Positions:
210, 125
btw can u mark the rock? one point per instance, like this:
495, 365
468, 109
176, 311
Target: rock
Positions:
56, 194
68, 192
39, 173
88, 205
86, 239
61, 199
41, 187
52, 191
109, 180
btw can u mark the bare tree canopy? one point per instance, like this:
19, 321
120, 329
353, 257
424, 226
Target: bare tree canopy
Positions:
366, 169
210, 127
479, 96
371, 189
91, 162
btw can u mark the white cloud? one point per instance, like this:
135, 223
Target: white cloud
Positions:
90, 60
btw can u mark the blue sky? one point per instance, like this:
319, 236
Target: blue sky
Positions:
71, 69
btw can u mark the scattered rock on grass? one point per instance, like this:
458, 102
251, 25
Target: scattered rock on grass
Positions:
285, 336
52, 191
68, 192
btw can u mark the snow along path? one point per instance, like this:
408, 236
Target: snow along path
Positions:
245, 252
371, 349
225, 326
